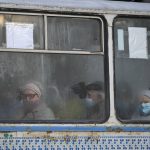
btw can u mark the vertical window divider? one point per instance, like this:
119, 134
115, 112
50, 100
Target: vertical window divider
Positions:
45, 30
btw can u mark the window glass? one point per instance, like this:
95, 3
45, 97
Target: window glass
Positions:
132, 72
74, 34
21, 31
52, 87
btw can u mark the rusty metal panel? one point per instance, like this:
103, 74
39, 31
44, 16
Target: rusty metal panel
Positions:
74, 141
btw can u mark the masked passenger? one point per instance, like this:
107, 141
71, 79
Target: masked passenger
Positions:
92, 98
95, 101
143, 109
34, 108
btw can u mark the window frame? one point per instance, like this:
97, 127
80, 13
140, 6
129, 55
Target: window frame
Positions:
103, 52
24, 14
45, 17
124, 121
77, 16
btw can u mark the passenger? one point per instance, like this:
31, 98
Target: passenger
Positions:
143, 110
74, 107
34, 108
92, 98
95, 101
79, 89
124, 102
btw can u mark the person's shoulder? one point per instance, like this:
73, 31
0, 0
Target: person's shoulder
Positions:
44, 111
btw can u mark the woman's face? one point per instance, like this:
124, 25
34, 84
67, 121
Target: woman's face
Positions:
29, 97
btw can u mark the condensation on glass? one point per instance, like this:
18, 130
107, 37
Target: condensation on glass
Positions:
69, 87
132, 71
79, 34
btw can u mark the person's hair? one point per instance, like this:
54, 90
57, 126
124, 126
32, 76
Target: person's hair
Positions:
79, 89
98, 86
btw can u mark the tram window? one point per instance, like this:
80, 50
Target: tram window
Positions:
79, 34
21, 31
61, 86
132, 72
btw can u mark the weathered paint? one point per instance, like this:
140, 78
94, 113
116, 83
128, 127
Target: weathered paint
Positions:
75, 128
80, 6
74, 141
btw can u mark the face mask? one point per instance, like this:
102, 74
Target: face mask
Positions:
145, 109
89, 102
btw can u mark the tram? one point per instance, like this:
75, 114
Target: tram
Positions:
74, 74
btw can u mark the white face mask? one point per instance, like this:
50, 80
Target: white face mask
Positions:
145, 109
90, 102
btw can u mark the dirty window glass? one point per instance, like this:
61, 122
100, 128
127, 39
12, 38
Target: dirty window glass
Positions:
21, 31
78, 34
52, 87
132, 72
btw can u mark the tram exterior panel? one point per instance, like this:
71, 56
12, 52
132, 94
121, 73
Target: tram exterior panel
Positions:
51, 50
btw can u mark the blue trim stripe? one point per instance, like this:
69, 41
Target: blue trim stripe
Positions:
75, 128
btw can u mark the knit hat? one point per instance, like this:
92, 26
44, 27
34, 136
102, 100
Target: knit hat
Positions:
146, 93
33, 87
95, 86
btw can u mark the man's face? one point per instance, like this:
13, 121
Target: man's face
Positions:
29, 97
95, 95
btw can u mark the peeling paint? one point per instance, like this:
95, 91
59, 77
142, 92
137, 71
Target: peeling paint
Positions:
113, 129
7, 135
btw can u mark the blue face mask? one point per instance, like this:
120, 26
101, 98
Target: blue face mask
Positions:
89, 102
145, 109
